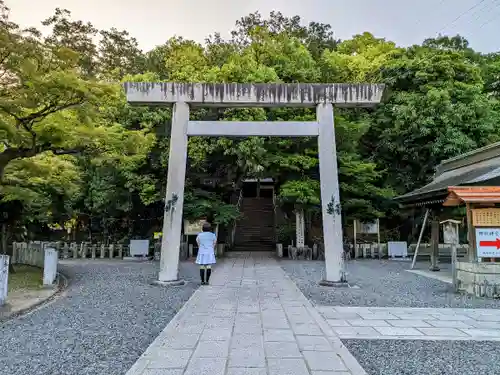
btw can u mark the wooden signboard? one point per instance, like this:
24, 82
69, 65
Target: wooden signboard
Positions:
192, 228
486, 217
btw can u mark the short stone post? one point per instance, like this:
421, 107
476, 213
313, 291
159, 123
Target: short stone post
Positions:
41, 256
111, 251
24, 253
74, 248
27, 253
103, 250
356, 250
65, 251
31, 254
83, 250
15, 252
50, 266
220, 249
120, 250
190, 250
94, 251
157, 249
4, 278
279, 250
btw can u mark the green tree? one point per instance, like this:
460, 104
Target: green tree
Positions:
45, 103
437, 109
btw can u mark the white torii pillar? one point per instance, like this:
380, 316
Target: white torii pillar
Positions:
322, 96
330, 198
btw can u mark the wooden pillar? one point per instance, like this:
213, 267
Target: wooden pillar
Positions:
434, 245
471, 235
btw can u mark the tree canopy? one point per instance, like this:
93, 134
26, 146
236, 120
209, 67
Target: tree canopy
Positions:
73, 151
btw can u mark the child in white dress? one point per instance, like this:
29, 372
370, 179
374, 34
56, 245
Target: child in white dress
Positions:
206, 241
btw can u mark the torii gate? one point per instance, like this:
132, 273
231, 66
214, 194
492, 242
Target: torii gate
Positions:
322, 96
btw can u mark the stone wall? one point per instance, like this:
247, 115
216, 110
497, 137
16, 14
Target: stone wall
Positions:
480, 279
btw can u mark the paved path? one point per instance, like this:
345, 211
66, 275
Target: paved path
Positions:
251, 320
413, 323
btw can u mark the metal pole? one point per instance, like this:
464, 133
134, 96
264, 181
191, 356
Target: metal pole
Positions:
354, 240
419, 239
378, 239
454, 266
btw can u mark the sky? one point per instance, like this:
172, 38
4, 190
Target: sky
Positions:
406, 22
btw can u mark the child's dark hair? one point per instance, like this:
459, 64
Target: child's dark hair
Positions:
206, 227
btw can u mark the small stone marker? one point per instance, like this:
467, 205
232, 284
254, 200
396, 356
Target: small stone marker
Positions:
4, 277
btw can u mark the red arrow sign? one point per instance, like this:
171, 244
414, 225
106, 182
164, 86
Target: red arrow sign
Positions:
490, 243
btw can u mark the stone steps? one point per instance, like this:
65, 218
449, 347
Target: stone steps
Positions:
255, 229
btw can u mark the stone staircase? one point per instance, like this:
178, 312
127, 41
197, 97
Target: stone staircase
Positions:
255, 230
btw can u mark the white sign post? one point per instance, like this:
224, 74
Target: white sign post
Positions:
488, 242
450, 236
4, 278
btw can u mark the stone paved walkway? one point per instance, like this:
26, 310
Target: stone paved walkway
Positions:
251, 320
413, 323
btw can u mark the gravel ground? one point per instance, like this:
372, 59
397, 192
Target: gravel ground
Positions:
104, 321
395, 357
382, 283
